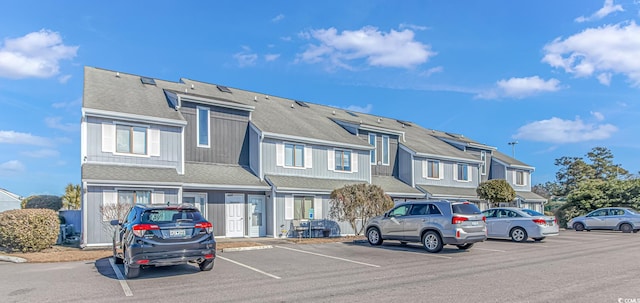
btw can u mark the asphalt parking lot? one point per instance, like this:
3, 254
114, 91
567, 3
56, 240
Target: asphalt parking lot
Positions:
572, 267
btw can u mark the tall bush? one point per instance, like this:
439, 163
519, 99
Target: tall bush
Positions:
28, 230
44, 201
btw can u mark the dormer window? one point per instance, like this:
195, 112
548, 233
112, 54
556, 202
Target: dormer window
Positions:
131, 139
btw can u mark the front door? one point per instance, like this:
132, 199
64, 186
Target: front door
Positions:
234, 208
199, 200
257, 216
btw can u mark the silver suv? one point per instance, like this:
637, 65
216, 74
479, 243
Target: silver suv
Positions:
433, 223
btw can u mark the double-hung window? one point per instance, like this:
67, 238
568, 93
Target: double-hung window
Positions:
433, 169
483, 166
302, 207
385, 150
520, 178
134, 197
463, 172
203, 126
294, 155
343, 160
372, 141
131, 139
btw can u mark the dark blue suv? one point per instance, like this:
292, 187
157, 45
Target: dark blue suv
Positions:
160, 235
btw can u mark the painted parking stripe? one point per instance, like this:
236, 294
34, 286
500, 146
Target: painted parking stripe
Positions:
327, 256
495, 250
418, 253
123, 282
249, 267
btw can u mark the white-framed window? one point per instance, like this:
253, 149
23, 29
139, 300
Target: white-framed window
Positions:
462, 172
520, 178
302, 206
293, 155
343, 160
433, 169
134, 196
372, 141
385, 150
131, 139
203, 130
483, 166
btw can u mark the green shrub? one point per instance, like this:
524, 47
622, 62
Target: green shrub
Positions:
44, 201
28, 230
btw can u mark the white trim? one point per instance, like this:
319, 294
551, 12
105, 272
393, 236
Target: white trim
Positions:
288, 207
131, 117
331, 159
153, 142
483, 166
388, 147
224, 187
317, 208
374, 150
198, 108
354, 161
441, 157
308, 156
280, 153
157, 195
350, 160
182, 156
83, 140
455, 173
108, 136
284, 155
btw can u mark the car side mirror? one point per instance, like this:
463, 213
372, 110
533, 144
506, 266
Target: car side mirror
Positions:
386, 214
115, 222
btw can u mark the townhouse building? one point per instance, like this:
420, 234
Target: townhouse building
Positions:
259, 165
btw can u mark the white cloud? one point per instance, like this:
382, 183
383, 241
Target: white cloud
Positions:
520, 88
42, 153
246, 57
12, 137
73, 105
598, 115
377, 48
36, 54
604, 50
607, 9
56, 123
431, 71
356, 108
271, 57
277, 18
413, 27
556, 130
12, 166
64, 79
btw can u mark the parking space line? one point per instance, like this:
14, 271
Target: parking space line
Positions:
496, 250
249, 267
418, 253
123, 282
327, 256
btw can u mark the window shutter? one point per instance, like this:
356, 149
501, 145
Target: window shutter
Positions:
440, 170
288, 207
109, 202
469, 173
514, 178
154, 142
157, 197
354, 161
455, 171
108, 137
331, 155
308, 156
317, 207
425, 172
279, 154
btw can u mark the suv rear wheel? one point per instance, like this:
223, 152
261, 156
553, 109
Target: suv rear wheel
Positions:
373, 236
432, 242
465, 246
206, 265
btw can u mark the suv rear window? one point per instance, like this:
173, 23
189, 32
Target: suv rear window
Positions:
465, 208
170, 215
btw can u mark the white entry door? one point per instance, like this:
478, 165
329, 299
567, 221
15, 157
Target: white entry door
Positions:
234, 209
199, 200
257, 216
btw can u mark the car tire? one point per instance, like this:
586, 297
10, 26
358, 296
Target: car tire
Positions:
538, 239
432, 242
464, 246
635, 230
131, 272
626, 228
206, 265
578, 226
373, 236
518, 234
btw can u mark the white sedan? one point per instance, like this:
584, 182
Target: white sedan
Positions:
519, 224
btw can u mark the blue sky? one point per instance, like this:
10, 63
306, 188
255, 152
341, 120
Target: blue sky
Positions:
558, 77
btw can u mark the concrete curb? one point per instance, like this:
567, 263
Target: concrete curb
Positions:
12, 259
246, 248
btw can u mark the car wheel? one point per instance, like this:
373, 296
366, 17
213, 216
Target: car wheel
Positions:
578, 226
635, 230
464, 246
538, 239
626, 228
131, 272
117, 258
206, 265
518, 234
373, 236
432, 242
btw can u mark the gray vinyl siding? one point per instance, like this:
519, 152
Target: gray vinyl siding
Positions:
254, 152
99, 231
404, 166
229, 143
170, 146
497, 171
448, 171
337, 228
380, 169
477, 153
319, 165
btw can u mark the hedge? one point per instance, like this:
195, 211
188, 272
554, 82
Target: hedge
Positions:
28, 230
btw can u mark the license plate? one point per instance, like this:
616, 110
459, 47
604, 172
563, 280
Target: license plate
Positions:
550, 223
475, 223
177, 233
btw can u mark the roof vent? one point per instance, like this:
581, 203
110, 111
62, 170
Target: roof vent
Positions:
223, 89
291, 105
117, 74
266, 97
379, 120
301, 103
147, 80
333, 113
186, 90
193, 86
255, 98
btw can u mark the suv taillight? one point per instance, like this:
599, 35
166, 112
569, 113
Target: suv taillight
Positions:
458, 220
539, 221
205, 225
140, 229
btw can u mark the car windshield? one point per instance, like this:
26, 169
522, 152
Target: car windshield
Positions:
633, 211
465, 208
171, 215
532, 212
